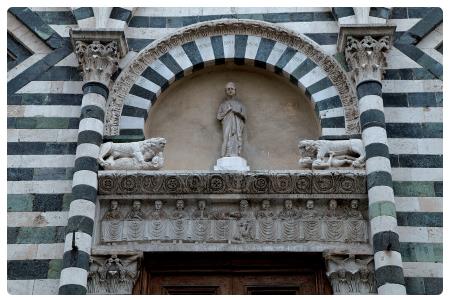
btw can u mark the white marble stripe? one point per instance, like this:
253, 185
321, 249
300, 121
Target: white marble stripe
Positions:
419, 204
347, 20
312, 77
52, 87
392, 289
46, 287
148, 33
228, 46
333, 131
206, 50
148, 85
325, 94
332, 112
414, 234
182, 59
42, 135
396, 59
417, 174
413, 114
412, 86
370, 102
17, 70
423, 269
39, 187
47, 111
87, 149
63, 30
37, 219
295, 61
380, 193
162, 70
85, 177
82, 240
415, 146
376, 20
40, 161
137, 101
20, 287
69, 61
312, 27
383, 223
387, 258
73, 275
378, 163
374, 134
127, 122
35, 251
91, 124
403, 24
252, 47
116, 24
277, 50
93, 99
81, 207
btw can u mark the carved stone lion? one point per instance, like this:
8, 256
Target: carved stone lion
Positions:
323, 154
142, 155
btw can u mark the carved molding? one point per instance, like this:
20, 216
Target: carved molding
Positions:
351, 274
148, 55
98, 61
113, 274
244, 221
160, 182
367, 57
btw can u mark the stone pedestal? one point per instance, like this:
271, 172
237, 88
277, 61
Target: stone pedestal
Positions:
235, 163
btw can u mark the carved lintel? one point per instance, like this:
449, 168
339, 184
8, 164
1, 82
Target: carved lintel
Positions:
351, 274
113, 274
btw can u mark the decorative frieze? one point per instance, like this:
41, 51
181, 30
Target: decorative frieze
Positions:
351, 274
112, 275
288, 182
277, 221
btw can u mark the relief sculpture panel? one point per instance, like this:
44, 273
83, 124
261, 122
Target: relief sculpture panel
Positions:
232, 221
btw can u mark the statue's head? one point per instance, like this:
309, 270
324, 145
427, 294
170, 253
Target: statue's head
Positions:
154, 144
158, 204
136, 204
243, 204
310, 204
114, 204
230, 89
201, 204
332, 204
354, 204
266, 204
180, 204
307, 148
288, 204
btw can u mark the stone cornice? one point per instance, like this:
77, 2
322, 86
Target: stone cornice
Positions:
299, 42
203, 182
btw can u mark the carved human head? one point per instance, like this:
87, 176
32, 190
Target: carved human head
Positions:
201, 204
288, 204
180, 204
310, 204
114, 204
136, 204
158, 204
354, 204
243, 204
266, 204
332, 204
230, 89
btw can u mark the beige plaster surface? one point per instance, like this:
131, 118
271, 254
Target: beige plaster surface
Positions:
278, 116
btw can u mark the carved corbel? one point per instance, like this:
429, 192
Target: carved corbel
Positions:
113, 274
350, 274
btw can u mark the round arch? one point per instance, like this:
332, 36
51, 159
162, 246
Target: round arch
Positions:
250, 42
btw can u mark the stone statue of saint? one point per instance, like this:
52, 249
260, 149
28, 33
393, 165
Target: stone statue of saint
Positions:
232, 114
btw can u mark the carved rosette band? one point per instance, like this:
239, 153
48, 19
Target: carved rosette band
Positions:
113, 275
351, 274
156, 182
367, 57
148, 55
98, 61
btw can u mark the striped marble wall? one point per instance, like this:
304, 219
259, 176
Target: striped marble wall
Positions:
44, 99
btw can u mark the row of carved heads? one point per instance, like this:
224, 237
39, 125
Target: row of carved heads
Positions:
289, 211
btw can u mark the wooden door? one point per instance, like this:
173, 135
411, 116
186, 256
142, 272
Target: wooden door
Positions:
232, 273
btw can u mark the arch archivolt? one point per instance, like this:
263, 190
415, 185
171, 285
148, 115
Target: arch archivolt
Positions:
245, 42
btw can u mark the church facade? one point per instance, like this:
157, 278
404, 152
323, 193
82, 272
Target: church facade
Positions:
225, 150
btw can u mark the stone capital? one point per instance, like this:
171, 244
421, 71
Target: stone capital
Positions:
350, 273
98, 53
365, 49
